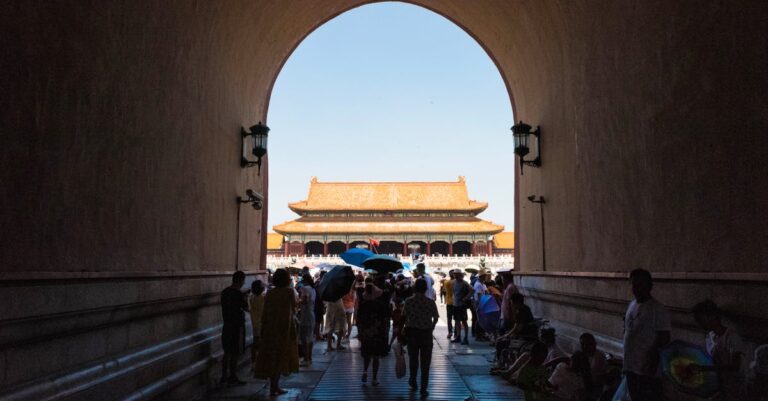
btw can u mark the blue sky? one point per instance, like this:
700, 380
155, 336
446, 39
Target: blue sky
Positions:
391, 92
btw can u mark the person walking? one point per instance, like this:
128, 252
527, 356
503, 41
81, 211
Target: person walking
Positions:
335, 323
420, 319
462, 296
279, 352
233, 307
646, 331
372, 330
448, 285
307, 297
256, 304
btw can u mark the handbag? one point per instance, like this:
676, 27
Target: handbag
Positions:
399, 359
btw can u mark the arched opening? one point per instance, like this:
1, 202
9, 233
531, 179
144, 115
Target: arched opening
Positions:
359, 244
314, 248
336, 247
415, 247
440, 248
462, 248
295, 248
390, 248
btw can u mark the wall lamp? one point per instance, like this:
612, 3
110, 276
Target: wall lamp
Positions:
259, 132
256, 200
521, 132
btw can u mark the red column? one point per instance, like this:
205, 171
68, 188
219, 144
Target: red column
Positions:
405, 249
490, 248
450, 248
347, 245
286, 246
473, 249
303, 249
325, 249
429, 248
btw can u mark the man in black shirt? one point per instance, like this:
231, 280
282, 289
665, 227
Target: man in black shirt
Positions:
233, 307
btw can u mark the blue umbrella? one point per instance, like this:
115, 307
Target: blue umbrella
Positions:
356, 256
383, 264
488, 312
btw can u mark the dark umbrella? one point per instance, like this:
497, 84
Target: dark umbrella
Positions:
356, 256
383, 264
336, 283
488, 313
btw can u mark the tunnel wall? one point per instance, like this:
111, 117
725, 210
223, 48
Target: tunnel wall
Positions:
120, 126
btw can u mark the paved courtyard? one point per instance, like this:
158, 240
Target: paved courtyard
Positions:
458, 373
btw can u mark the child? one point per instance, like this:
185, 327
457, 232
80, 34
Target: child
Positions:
533, 375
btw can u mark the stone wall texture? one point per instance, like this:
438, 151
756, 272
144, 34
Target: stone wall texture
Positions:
120, 160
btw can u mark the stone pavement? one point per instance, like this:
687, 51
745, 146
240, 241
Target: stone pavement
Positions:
458, 373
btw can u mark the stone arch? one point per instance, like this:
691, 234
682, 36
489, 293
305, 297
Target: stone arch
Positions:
439, 248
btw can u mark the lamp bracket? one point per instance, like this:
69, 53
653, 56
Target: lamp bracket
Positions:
245, 163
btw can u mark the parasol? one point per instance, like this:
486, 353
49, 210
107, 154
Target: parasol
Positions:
488, 312
356, 256
383, 264
471, 269
336, 283
675, 359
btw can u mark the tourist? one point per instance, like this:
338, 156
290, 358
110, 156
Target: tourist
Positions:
448, 285
398, 321
385, 298
349, 301
335, 324
421, 316
256, 306
319, 309
598, 365
442, 291
572, 380
478, 290
523, 328
727, 351
279, 351
462, 294
371, 331
555, 355
233, 307
646, 331
421, 272
506, 303
403, 289
533, 375
307, 297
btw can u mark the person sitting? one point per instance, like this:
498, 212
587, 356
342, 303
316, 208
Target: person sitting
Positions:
725, 347
523, 327
554, 355
572, 380
533, 375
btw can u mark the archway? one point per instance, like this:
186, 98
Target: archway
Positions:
314, 248
336, 247
359, 244
390, 248
462, 248
416, 247
440, 248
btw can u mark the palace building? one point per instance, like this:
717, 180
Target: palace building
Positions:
394, 217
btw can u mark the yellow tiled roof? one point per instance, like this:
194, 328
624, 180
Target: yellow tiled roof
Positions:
388, 196
387, 227
504, 240
274, 241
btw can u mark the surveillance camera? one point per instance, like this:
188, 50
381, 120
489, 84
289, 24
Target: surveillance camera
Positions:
532, 198
257, 204
249, 193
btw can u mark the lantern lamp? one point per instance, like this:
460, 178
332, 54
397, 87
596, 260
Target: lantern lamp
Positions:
259, 132
521, 133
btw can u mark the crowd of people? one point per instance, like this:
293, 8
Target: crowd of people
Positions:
289, 317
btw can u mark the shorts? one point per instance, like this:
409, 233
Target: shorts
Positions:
460, 313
